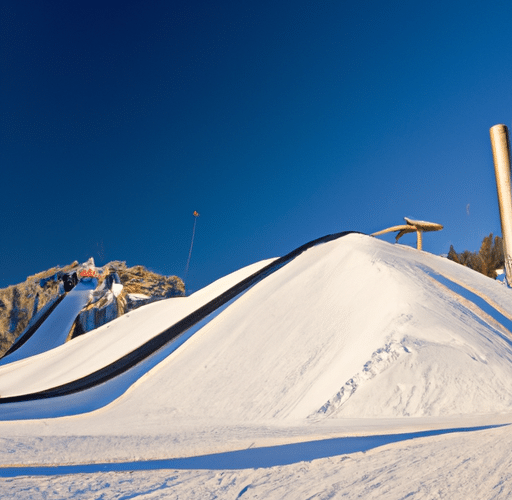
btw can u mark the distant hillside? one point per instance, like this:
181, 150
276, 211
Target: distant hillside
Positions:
22, 304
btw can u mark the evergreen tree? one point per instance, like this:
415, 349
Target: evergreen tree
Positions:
489, 258
485, 257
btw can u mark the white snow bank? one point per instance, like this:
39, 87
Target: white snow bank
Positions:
117, 288
355, 327
137, 296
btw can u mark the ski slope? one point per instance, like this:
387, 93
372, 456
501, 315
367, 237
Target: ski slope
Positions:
55, 329
357, 369
107, 344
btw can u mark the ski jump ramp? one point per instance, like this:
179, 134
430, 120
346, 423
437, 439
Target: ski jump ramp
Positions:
125, 361
55, 329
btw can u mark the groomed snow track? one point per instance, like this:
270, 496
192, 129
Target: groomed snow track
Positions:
143, 352
20, 341
52, 329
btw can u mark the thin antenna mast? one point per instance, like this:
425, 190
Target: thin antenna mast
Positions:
196, 215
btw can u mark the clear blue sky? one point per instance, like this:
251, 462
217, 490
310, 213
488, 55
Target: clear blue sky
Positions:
279, 122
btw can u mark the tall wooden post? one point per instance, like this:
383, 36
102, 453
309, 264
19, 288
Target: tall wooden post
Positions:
501, 154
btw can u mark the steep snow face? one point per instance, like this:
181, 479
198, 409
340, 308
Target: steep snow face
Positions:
352, 328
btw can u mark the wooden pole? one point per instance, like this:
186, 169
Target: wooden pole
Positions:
501, 154
419, 241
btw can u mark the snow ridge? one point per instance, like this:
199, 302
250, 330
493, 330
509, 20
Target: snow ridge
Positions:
380, 361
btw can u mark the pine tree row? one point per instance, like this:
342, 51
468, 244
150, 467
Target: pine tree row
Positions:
486, 261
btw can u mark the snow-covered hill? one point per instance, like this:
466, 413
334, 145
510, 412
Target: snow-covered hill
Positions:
353, 339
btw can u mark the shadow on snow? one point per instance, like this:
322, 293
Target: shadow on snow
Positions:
251, 458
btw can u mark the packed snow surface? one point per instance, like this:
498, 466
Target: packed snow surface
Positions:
352, 357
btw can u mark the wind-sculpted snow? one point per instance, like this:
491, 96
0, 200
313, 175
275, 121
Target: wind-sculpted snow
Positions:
270, 456
352, 338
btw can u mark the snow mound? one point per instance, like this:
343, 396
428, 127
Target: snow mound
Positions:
352, 328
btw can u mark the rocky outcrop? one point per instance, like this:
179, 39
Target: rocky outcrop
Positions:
120, 289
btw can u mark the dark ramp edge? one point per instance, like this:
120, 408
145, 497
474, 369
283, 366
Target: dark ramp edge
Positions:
151, 346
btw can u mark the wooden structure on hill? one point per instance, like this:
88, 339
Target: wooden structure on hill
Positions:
412, 226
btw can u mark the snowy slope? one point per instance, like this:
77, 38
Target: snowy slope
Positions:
355, 337
54, 331
98, 348
354, 327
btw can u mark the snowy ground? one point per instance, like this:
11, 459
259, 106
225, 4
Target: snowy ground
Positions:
473, 465
358, 370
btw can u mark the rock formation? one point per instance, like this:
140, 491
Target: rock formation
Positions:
120, 289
